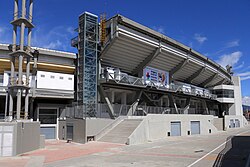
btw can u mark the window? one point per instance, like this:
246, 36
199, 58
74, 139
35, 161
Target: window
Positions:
1, 79
60, 77
43, 76
226, 93
52, 77
70, 79
47, 116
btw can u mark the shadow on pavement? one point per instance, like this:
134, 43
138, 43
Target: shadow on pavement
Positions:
235, 153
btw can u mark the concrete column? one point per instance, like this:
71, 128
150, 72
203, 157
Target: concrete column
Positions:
23, 8
10, 105
16, 9
12, 74
29, 37
14, 38
27, 90
26, 110
27, 71
6, 105
20, 69
124, 98
22, 36
112, 97
18, 106
31, 10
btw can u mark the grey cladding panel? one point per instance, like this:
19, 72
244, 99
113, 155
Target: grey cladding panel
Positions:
195, 127
175, 128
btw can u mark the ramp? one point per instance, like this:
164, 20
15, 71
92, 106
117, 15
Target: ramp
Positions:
121, 132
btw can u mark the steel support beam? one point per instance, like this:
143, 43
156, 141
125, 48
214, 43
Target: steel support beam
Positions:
146, 61
133, 107
195, 75
204, 103
177, 68
172, 103
187, 105
209, 80
110, 107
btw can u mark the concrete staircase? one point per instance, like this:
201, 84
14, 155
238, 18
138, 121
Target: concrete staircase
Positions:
121, 132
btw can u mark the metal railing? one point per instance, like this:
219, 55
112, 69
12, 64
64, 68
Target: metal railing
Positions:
125, 79
77, 111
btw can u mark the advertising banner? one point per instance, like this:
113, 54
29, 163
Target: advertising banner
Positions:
155, 75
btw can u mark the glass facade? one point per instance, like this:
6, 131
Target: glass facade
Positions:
224, 93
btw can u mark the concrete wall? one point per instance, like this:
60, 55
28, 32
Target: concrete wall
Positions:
95, 125
19, 137
218, 123
28, 137
79, 129
236, 108
82, 128
242, 119
62, 129
155, 127
52, 80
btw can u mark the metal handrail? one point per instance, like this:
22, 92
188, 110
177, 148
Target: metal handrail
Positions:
126, 79
79, 111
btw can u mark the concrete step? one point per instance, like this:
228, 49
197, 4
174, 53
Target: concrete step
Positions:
121, 132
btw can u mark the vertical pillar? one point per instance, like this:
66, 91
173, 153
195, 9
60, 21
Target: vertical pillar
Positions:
27, 91
6, 105
124, 98
18, 106
11, 105
12, 80
16, 9
31, 10
23, 8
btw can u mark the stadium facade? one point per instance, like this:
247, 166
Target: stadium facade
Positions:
125, 77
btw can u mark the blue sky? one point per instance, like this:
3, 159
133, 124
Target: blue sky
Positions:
217, 29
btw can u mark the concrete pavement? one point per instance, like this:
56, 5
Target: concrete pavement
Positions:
229, 148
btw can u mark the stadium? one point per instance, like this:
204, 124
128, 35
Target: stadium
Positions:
127, 84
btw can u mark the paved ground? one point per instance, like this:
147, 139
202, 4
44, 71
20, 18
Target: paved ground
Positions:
223, 149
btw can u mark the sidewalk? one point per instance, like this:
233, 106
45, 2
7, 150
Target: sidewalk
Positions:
55, 151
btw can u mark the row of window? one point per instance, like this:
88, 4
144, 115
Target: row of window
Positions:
53, 77
226, 93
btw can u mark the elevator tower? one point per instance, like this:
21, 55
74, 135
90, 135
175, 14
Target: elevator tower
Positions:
87, 63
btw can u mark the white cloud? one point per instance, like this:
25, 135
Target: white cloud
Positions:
245, 78
56, 38
246, 100
5, 35
159, 29
199, 38
54, 45
239, 66
232, 44
244, 75
230, 59
71, 30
